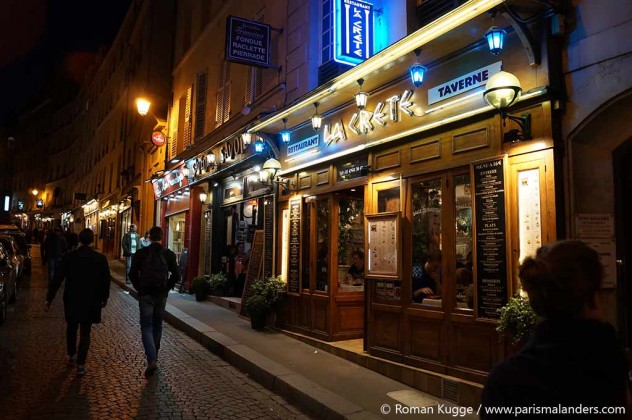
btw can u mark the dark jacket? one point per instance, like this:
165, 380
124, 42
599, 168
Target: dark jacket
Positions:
141, 254
87, 276
569, 363
54, 245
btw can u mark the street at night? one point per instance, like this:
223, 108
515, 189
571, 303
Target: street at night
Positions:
190, 382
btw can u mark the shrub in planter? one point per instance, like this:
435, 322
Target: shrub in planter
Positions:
517, 320
200, 288
217, 284
265, 297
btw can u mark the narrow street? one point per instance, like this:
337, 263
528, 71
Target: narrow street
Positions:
191, 383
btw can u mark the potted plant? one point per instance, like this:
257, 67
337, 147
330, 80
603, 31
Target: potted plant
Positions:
265, 296
517, 320
200, 288
217, 283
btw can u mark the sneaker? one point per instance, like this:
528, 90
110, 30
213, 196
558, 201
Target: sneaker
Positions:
72, 360
81, 370
151, 369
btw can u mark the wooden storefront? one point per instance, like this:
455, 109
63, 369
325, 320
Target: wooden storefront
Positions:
433, 177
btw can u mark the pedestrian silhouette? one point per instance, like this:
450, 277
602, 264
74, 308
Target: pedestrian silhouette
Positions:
87, 290
573, 357
153, 273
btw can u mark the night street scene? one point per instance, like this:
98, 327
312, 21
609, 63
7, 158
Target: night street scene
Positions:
315, 209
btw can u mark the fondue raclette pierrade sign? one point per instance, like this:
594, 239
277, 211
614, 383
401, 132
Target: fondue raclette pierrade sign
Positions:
463, 83
353, 31
247, 42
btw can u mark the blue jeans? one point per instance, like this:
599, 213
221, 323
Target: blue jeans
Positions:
152, 309
53, 265
128, 265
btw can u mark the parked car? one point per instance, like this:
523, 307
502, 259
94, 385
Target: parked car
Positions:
9, 228
8, 284
24, 249
11, 247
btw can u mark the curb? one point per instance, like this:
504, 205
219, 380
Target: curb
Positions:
296, 388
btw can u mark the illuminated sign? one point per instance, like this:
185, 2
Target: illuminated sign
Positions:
170, 183
39, 204
247, 42
303, 145
362, 122
353, 31
20, 205
334, 134
158, 138
463, 83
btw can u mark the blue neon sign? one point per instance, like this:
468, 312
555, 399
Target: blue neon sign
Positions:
353, 31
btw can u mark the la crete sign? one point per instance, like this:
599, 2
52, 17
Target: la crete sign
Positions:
392, 112
169, 183
353, 31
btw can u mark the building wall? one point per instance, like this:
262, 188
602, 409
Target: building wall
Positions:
598, 81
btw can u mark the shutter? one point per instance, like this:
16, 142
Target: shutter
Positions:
200, 106
226, 110
219, 107
249, 97
186, 138
173, 144
222, 110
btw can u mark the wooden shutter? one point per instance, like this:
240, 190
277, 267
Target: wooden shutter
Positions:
200, 105
186, 138
222, 111
173, 141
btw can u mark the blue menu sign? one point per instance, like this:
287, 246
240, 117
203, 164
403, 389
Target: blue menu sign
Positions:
353, 31
247, 42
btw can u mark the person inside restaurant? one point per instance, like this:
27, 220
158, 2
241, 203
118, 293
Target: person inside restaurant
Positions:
355, 275
428, 282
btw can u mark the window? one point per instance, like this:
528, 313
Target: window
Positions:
322, 262
426, 241
327, 31
173, 145
222, 112
186, 129
200, 105
351, 261
463, 244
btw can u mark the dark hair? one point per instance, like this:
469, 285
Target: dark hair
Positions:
562, 279
155, 234
359, 253
434, 255
86, 236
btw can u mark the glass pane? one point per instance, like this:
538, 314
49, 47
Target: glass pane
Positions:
351, 244
388, 200
463, 225
426, 230
322, 266
307, 234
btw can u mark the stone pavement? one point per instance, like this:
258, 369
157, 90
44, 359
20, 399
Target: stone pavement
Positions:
191, 382
325, 385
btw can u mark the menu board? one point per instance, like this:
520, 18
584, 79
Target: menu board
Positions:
491, 237
294, 260
383, 240
254, 266
530, 220
268, 239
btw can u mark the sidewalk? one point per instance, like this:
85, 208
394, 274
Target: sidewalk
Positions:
325, 385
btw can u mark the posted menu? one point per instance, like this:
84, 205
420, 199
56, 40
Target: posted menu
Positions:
268, 240
491, 237
294, 266
383, 246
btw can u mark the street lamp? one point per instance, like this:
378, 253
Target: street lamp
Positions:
142, 105
35, 192
501, 91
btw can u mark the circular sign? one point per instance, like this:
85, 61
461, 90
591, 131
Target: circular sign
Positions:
158, 138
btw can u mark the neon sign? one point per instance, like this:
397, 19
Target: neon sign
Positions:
353, 31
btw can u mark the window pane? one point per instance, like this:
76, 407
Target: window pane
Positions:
307, 234
463, 225
351, 244
426, 231
322, 266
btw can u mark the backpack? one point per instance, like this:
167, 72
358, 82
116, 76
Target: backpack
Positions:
154, 272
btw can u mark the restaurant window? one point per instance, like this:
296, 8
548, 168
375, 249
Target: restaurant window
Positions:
322, 260
463, 245
306, 243
351, 261
388, 200
426, 241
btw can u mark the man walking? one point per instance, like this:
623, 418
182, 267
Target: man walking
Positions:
87, 290
53, 248
130, 244
153, 273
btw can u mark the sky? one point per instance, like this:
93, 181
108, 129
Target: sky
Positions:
45, 42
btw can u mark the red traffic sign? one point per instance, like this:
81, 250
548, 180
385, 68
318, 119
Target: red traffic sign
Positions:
158, 138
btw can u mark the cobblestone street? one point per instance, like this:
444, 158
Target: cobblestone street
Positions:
35, 382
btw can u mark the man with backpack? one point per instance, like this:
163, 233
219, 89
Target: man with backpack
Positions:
153, 273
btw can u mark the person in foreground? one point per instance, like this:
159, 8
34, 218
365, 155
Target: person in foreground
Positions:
153, 273
87, 290
572, 357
